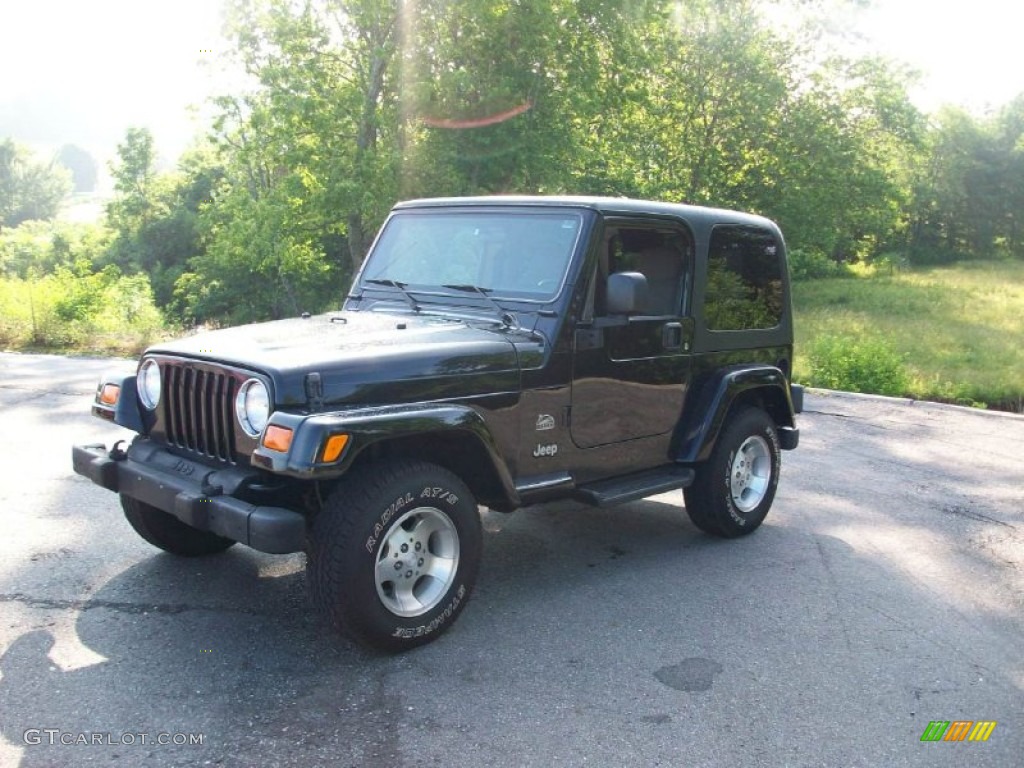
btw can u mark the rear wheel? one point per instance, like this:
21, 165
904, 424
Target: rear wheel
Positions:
734, 489
394, 553
167, 532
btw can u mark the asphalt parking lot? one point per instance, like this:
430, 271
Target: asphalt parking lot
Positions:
885, 591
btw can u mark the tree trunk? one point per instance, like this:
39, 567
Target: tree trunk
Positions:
356, 241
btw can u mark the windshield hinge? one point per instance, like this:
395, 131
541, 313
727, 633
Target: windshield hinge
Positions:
314, 392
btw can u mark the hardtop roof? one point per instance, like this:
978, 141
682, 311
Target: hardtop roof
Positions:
603, 205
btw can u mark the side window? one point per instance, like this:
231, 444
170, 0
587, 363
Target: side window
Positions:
744, 288
663, 256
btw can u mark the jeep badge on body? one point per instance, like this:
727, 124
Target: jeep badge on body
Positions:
502, 351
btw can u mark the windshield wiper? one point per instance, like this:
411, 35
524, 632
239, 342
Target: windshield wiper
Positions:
400, 286
506, 317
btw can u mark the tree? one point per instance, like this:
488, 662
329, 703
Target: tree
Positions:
323, 121
970, 186
255, 264
133, 179
843, 169
155, 216
478, 123
308, 158
356, 103
82, 166
707, 103
29, 190
1006, 175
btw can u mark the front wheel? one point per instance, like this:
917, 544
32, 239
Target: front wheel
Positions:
394, 554
734, 489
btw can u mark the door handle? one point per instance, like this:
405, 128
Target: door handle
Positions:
672, 335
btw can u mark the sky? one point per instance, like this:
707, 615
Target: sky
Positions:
82, 71
968, 53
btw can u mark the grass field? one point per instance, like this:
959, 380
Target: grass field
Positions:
958, 330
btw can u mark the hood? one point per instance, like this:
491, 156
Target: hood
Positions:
366, 358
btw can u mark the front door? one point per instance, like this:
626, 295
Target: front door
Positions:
630, 374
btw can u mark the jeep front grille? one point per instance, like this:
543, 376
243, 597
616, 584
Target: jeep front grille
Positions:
199, 408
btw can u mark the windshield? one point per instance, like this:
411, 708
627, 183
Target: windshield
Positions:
509, 254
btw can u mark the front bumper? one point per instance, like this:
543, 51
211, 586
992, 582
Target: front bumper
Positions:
196, 494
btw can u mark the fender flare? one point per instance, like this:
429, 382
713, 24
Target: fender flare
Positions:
708, 406
370, 426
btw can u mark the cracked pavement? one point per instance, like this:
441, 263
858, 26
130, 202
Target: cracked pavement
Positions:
885, 590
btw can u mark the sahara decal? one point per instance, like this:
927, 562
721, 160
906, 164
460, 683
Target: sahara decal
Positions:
545, 421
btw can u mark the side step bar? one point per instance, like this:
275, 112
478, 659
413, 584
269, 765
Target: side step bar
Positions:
618, 490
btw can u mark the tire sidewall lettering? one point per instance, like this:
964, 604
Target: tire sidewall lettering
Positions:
437, 622
738, 517
435, 492
441, 498
730, 507
381, 525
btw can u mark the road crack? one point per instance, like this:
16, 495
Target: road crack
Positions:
138, 609
970, 514
833, 591
829, 413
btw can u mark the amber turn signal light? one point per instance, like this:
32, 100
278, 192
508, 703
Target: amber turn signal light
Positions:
335, 445
109, 394
277, 438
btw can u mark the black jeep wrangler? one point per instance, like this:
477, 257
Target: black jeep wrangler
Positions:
501, 351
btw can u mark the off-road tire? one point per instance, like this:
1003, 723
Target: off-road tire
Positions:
394, 553
168, 533
730, 495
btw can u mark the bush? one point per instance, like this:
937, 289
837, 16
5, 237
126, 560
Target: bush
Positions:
42, 247
812, 264
864, 365
101, 312
933, 255
890, 263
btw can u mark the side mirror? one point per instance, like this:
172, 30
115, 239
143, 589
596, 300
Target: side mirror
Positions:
626, 293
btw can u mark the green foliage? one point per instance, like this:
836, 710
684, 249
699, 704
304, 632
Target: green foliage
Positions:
959, 329
322, 131
95, 312
969, 188
485, 124
732, 307
256, 264
155, 217
357, 103
812, 264
41, 247
29, 190
857, 365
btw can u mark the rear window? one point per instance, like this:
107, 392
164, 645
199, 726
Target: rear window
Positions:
744, 288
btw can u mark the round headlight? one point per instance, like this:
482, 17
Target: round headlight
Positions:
252, 406
148, 384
